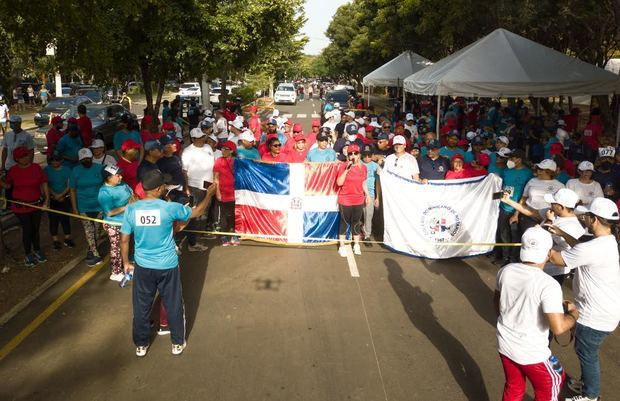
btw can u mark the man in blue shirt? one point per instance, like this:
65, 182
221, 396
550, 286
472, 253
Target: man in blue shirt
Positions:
321, 153
156, 268
451, 147
374, 189
515, 177
69, 145
431, 165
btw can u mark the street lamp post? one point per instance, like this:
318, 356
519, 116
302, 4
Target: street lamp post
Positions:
50, 50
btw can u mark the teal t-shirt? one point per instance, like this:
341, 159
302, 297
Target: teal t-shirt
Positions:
371, 168
57, 180
514, 181
113, 197
150, 222
243, 153
122, 136
444, 151
563, 177
321, 155
69, 147
86, 182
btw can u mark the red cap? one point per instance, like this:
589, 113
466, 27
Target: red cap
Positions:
167, 126
297, 128
353, 148
147, 119
253, 109
484, 159
72, 120
288, 121
462, 142
316, 123
130, 144
230, 145
20, 152
298, 136
400, 124
57, 119
457, 156
556, 149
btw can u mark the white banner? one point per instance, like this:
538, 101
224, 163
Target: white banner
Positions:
419, 217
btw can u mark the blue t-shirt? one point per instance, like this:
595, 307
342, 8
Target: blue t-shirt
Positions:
321, 155
69, 147
113, 197
514, 181
444, 151
371, 168
57, 180
243, 153
563, 177
150, 221
86, 182
122, 136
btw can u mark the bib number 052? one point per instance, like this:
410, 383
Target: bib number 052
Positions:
147, 218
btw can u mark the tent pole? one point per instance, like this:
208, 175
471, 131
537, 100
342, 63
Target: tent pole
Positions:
618, 122
438, 122
368, 102
403, 96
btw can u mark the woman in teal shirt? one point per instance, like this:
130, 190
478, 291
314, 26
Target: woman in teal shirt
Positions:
58, 183
114, 196
85, 181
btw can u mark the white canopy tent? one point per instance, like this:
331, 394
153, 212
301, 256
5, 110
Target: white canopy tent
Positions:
506, 64
395, 71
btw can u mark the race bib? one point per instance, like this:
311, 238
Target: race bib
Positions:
148, 218
608, 151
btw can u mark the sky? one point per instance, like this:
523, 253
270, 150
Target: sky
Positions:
319, 13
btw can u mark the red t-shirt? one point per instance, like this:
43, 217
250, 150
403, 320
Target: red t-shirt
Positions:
591, 134
130, 171
477, 173
268, 157
455, 175
255, 127
52, 137
352, 192
224, 167
26, 184
295, 156
86, 130
149, 136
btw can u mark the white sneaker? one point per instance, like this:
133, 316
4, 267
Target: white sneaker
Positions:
142, 350
117, 277
357, 250
342, 251
178, 349
197, 248
582, 398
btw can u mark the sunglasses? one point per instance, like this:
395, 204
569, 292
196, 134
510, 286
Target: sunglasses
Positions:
223, 149
354, 153
276, 145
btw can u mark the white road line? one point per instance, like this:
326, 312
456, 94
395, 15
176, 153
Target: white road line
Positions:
287, 116
301, 115
314, 115
351, 262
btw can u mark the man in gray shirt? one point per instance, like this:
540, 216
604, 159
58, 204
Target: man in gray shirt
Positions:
13, 139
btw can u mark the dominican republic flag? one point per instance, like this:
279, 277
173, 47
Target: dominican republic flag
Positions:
286, 202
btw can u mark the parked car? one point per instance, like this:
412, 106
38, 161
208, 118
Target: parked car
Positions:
190, 89
105, 119
92, 92
285, 93
333, 97
58, 107
215, 92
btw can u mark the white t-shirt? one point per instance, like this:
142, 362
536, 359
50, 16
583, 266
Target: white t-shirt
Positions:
4, 111
596, 285
535, 191
405, 166
586, 192
413, 129
106, 160
12, 141
221, 127
198, 163
572, 227
526, 294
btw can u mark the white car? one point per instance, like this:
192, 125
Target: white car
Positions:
215, 92
285, 93
190, 89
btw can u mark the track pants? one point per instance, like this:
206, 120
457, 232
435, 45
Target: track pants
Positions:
546, 382
146, 283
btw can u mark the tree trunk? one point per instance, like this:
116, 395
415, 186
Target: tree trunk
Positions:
603, 104
223, 93
161, 84
148, 88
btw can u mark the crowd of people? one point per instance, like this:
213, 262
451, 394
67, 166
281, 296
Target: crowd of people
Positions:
549, 169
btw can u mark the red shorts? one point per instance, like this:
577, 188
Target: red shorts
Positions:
546, 381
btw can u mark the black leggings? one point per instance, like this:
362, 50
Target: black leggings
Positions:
30, 223
57, 218
226, 211
351, 216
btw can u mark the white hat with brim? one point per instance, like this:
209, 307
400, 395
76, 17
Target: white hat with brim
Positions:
535, 245
565, 197
547, 164
85, 153
601, 207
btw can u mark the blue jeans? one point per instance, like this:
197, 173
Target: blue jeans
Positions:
587, 343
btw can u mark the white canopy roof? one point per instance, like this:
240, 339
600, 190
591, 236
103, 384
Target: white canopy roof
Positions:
394, 71
505, 64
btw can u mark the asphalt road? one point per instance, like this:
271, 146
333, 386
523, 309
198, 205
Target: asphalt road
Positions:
275, 323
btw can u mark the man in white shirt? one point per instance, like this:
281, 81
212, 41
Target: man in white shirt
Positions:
198, 161
4, 116
596, 288
400, 162
528, 303
235, 128
221, 126
411, 127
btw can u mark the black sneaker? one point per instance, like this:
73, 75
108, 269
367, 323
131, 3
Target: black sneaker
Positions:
57, 245
163, 330
95, 260
39, 256
69, 243
30, 261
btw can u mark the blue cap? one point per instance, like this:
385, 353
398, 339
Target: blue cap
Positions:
434, 144
151, 144
206, 124
273, 121
476, 141
453, 133
166, 140
352, 129
383, 135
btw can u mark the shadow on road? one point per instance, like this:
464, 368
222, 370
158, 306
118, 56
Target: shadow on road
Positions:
193, 277
417, 305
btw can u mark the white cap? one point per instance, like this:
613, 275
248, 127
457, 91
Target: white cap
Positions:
97, 143
111, 169
503, 139
535, 245
212, 137
237, 124
208, 112
564, 197
409, 116
561, 122
561, 134
362, 131
276, 113
247, 135
196, 133
504, 152
601, 207
360, 121
399, 140
336, 105
350, 114
471, 135
85, 153
375, 124
585, 166
547, 164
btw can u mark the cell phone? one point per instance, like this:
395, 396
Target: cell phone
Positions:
206, 184
190, 201
498, 195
